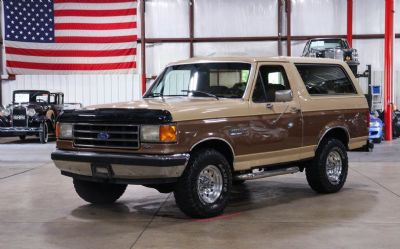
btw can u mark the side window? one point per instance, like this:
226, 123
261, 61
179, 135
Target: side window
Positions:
326, 80
269, 80
52, 99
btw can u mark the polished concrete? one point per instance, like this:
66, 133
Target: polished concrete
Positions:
39, 209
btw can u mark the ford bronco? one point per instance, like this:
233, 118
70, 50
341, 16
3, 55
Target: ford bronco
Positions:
206, 124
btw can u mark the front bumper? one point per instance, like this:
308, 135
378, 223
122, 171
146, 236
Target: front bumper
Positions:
120, 168
19, 131
375, 132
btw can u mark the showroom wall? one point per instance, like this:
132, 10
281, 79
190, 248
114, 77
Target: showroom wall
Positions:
221, 18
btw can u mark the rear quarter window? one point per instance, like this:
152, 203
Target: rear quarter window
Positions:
326, 79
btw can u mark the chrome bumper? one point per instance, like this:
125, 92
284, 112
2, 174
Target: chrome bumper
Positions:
120, 168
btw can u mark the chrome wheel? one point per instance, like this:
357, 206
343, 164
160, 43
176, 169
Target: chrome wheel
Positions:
334, 167
209, 184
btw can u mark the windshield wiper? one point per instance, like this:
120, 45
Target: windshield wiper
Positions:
201, 92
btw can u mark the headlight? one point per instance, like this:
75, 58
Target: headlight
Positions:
354, 54
30, 112
5, 112
158, 133
64, 131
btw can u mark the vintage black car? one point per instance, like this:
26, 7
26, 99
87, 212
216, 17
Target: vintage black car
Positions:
333, 48
32, 112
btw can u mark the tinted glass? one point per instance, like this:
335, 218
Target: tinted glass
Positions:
326, 79
31, 97
226, 80
269, 80
326, 44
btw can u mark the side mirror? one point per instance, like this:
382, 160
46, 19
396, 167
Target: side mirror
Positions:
283, 96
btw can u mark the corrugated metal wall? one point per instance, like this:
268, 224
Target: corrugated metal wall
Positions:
169, 18
85, 89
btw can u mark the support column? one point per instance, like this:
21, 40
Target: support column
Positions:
350, 22
388, 96
280, 17
143, 44
289, 26
191, 27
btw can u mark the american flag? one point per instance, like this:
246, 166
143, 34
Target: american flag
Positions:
70, 36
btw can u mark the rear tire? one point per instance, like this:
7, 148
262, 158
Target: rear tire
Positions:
204, 188
44, 134
328, 170
99, 193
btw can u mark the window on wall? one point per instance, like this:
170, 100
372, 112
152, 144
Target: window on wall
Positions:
269, 80
326, 79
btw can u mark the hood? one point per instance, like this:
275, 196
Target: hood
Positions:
186, 108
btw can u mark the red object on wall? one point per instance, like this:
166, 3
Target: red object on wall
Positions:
388, 96
350, 22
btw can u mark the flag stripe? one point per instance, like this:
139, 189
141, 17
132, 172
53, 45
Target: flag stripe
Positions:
91, 6
88, 19
86, 39
98, 13
95, 33
93, 1
70, 53
27, 71
70, 60
95, 26
50, 66
69, 46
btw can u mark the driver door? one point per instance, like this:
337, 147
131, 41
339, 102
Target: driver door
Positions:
276, 130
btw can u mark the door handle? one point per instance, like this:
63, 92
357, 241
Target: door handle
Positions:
269, 105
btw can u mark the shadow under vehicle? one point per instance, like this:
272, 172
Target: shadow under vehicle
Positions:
31, 113
332, 48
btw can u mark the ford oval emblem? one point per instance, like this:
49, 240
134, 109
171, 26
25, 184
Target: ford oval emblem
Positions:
103, 136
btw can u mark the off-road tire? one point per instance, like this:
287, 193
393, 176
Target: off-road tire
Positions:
316, 172
186, 193
44, 134
99, 193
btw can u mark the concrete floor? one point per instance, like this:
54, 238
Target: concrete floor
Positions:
39, 209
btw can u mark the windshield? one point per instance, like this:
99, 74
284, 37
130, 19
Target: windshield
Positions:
326, 44
225, 80
30, 97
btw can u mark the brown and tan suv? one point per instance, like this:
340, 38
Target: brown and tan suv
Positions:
206, 124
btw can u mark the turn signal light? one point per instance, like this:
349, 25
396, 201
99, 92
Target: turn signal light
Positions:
168, 133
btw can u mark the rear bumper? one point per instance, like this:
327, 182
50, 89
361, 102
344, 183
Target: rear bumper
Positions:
19, 131
120, 168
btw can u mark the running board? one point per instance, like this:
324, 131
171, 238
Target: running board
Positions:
257, 174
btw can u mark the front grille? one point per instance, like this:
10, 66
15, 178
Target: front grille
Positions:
19, 117
113, 136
